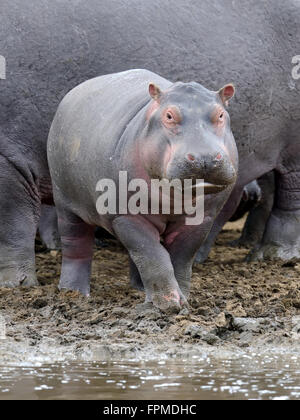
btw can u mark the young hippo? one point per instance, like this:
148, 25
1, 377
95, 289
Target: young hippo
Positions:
141, 123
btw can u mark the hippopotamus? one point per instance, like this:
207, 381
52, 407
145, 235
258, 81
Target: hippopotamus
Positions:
138, 122
48, 228
49, 235
54, 46
250, 198
259, 196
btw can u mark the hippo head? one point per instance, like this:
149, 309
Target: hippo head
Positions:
188, 135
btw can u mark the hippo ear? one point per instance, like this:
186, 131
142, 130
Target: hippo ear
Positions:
226, 93
154, 91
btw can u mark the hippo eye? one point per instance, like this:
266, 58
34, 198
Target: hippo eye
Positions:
171, 116
221, 116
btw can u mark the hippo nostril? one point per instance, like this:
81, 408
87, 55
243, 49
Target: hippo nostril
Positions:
191, 157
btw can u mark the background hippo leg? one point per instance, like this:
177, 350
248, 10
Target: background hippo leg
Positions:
101, 237
48, 227
142, 241
77, 239
135, 278
20, 213
258, 216
219, 222
281, 238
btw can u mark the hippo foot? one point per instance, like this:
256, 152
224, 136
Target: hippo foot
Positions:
242, 243
75, 286
170, 302
281, 239
75, 275
101, 243
145, 307
250, 237
274, 252
202, 255
52, 243
14, 277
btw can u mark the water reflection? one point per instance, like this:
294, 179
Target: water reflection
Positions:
250, 377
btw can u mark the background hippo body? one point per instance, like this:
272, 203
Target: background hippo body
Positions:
52, 47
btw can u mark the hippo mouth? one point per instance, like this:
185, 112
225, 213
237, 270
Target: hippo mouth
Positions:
209, 188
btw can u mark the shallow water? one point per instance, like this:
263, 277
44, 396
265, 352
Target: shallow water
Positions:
249, 377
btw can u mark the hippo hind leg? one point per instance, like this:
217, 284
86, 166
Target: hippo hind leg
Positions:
48, 228
281, 238
77, 241
19, 214
258, 216
135, 278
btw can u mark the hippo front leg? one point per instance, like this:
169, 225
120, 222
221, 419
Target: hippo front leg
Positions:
152, 260
183, 250
19, 215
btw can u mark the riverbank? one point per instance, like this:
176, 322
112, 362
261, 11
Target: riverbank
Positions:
235, 307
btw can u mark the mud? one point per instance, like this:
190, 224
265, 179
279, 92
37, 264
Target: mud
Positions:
234, 306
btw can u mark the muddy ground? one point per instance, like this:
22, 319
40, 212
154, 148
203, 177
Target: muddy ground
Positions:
234, 306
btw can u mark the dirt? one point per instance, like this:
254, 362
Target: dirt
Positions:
234, 306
